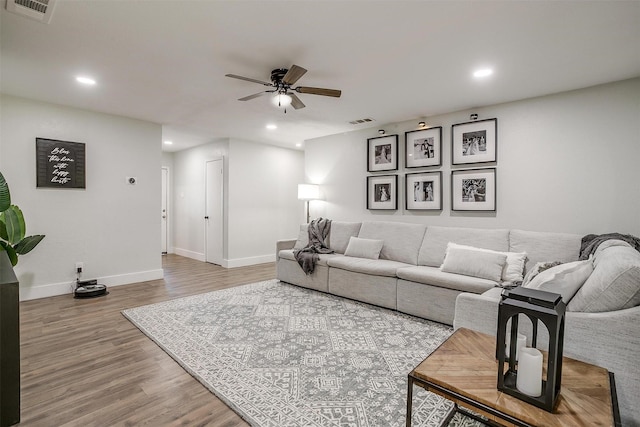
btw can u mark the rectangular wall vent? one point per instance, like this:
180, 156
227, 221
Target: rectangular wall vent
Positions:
360, 121
40, 10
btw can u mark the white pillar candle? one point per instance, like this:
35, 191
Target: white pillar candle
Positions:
529, 376
522, 342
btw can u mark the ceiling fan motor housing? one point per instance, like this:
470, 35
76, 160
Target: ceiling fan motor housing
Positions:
277, 75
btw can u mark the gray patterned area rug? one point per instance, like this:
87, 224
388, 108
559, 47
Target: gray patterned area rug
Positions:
280, 355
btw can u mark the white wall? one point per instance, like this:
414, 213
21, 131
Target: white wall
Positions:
566, 162
111, 226
261, 205
188, 196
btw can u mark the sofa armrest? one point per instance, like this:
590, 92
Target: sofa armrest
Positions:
477, 312
284, 244
611, 340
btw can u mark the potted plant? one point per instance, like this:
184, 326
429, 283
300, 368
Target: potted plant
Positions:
13, 227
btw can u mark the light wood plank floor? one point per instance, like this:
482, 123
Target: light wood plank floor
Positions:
84, 364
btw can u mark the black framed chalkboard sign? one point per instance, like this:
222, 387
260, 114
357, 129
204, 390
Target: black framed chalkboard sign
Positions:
60, 164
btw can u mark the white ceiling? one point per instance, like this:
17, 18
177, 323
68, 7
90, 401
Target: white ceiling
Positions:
165, 61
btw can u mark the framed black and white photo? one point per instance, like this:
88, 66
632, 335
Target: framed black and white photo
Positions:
474, 142
382, 153
382, 192
423, 147
473, 190
424, 191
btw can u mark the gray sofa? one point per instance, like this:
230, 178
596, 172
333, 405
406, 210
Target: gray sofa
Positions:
407, 276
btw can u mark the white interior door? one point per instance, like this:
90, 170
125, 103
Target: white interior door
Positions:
164, 224
213, 216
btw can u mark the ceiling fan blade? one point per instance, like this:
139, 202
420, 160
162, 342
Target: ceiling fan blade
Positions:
255, 95
233, 76
295, 101
319, 91
294, 73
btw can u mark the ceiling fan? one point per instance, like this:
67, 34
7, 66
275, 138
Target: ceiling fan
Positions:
282, 81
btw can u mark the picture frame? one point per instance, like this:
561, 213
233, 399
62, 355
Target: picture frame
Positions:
474, 142
382, 153
423, 191
382, 192
423, 147
60, 164
473, 190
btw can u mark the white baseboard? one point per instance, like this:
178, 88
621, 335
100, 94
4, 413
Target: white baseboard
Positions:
55, 289
189, 254
243, 262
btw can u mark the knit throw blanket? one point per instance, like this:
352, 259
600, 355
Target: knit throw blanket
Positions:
308, 256
590, 242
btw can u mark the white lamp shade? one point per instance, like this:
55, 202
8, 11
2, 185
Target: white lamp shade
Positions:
282, 100
308, 192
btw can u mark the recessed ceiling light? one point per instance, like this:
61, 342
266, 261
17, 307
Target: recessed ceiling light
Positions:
484, 72
85, 80
271, 126
168, 142
299, 144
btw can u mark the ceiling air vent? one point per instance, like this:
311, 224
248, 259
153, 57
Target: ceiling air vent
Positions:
360, 121
40, 10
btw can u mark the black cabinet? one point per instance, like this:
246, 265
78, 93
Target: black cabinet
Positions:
9, 344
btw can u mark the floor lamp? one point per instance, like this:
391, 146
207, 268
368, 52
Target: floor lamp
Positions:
308, 192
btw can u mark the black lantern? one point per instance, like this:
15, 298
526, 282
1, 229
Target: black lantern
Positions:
541, 306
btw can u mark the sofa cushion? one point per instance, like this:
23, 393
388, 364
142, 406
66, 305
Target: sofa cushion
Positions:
340, 234
436, 277
338, 238
513, 267
563, 279
614, 283
377, 267
545, 247
364, 248
303, 237
401, 240
434, 246
288, 254
471, 262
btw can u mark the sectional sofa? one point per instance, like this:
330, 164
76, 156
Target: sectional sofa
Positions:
431, 272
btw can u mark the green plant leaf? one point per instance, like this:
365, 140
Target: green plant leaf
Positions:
14, 221
3, 229
13, 256
28, 243
5, 196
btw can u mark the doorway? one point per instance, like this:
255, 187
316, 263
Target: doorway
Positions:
214, 208
164, 225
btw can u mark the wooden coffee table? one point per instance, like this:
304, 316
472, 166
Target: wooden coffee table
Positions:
464, 370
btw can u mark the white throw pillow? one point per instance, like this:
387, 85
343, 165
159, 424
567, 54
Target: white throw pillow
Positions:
564, 279
364, 248
513, 268
469, 262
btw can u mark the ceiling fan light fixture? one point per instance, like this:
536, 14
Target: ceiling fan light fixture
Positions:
282, 100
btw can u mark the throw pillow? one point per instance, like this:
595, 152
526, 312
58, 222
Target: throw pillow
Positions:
364, 248
564, 279
469, 262
513, 268
537, 269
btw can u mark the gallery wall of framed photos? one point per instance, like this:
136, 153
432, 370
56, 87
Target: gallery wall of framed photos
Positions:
472, 177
